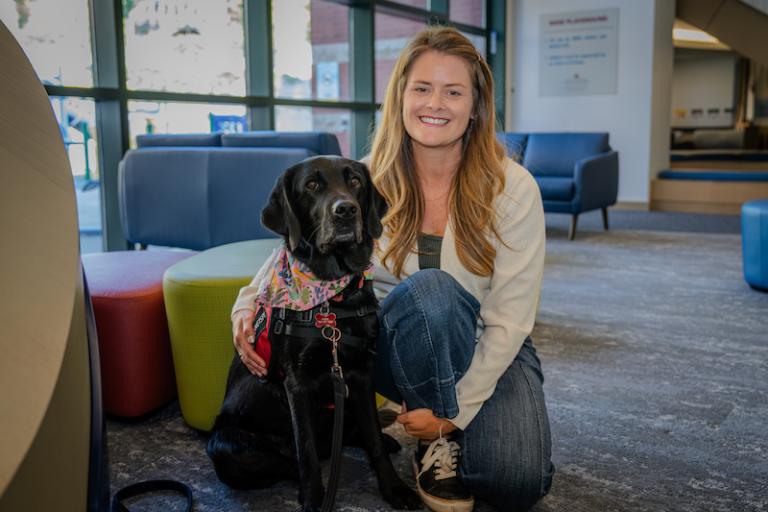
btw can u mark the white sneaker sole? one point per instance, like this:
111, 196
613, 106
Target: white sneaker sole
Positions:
440, 504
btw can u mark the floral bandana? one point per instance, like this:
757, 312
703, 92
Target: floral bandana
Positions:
288, 283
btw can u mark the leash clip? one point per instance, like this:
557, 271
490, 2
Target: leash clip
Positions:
337, 372
336, 368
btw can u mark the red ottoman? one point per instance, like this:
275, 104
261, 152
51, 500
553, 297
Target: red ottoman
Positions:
126, 289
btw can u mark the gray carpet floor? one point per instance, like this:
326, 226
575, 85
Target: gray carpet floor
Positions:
655, 355
621, 220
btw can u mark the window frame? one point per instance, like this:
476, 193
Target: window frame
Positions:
111, 94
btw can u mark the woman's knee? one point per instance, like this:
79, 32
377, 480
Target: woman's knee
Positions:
433, 293
431, 279
417, 289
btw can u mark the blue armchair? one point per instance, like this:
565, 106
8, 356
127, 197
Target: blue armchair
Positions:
576, 172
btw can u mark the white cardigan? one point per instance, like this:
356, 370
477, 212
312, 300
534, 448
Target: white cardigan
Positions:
508, 298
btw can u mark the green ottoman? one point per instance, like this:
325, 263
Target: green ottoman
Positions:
199, 293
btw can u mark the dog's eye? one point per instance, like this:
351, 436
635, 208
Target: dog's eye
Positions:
355, 182
311, 184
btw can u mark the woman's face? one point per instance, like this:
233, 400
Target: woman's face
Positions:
437, 102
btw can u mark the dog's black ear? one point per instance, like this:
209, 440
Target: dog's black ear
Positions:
278, 215
377, 206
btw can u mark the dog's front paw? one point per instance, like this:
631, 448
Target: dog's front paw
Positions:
401, 497
312, 501
310, 506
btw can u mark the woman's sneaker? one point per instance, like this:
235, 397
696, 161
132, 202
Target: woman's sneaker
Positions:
437, 479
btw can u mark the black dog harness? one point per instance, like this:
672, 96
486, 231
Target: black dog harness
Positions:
318, 323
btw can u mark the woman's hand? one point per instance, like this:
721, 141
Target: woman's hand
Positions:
422, 423
242, 335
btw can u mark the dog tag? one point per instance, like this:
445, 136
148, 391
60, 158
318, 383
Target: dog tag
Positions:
326, 319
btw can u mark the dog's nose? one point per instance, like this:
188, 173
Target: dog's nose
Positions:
344, 209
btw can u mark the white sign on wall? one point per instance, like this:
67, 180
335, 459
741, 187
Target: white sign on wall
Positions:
578, 53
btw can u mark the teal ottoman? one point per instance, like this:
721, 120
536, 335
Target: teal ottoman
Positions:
754, 239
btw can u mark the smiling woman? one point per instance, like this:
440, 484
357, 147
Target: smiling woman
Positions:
437, 105
459, 269
440, 78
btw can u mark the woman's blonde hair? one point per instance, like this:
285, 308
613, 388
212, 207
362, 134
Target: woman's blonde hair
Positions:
480, 177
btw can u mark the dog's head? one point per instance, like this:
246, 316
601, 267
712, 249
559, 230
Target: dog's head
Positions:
328, 203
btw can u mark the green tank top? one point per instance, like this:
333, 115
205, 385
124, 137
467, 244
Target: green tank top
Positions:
429, 250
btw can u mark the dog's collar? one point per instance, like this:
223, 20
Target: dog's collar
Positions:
288, 283
306, 245
307, 317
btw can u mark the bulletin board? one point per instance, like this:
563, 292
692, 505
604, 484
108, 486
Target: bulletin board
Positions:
579, 53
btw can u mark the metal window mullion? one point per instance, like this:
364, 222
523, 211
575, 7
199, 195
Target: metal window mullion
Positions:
495, 18
258, 62
122, 83
362, 60
111, 113
440, 7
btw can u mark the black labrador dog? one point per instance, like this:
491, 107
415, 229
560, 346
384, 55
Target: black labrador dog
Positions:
280, 427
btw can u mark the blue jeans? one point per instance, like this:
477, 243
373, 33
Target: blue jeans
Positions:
425, 345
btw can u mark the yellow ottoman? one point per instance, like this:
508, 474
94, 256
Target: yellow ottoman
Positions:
199, 293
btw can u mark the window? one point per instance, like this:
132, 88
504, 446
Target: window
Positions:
469, 12
182, 117
185, 71
333, 120
392, 35
56, 36
478, 41
77, 125
185, 46
311, 50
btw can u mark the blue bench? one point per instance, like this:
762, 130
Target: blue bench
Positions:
713, 175
718, 156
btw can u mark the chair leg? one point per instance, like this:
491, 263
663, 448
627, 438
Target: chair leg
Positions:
572, 229
605, 218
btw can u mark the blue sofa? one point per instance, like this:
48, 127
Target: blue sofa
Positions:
203, 190
576, 172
